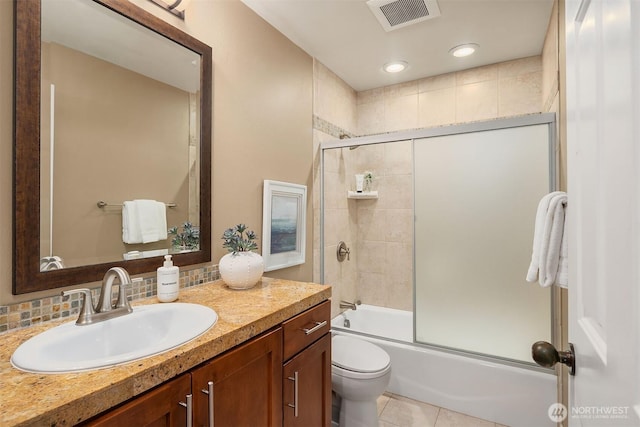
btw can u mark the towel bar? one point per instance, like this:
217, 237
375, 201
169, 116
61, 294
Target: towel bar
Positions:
102, 204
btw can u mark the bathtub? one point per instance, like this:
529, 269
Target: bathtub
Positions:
499, 392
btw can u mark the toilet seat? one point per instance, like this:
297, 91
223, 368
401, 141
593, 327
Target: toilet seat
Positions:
358, 359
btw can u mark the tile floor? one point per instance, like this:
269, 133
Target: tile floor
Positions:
399, 411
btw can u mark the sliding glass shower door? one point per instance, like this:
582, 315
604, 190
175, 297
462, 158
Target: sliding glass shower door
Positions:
476, 195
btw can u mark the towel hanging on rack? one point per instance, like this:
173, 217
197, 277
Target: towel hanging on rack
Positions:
549, 259
144, 221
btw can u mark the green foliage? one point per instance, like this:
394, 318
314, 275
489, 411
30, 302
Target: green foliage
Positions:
188, 238
235, 240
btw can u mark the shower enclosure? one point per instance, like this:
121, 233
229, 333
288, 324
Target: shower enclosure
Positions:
445, 231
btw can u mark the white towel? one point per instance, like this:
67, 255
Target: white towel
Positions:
144, 221
549, 257
152, 218
562, 277
130, 226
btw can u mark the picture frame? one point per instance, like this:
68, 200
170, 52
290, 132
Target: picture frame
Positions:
283, 224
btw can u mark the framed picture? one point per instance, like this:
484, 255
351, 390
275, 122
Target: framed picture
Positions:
283, 224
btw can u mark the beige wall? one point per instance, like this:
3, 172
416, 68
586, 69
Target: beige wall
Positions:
262, 120
136, 151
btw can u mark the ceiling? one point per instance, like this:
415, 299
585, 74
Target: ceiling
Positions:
346, 37
97, 31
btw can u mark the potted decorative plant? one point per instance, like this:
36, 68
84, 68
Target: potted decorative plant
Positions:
368, 180
241, 268
186, 240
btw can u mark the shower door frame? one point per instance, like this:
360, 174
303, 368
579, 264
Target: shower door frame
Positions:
548, 119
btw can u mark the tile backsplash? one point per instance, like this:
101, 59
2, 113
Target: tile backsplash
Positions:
28, 313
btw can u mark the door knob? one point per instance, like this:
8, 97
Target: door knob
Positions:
545, 354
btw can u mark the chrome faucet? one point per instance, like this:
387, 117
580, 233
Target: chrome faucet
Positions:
105, 309
351, 305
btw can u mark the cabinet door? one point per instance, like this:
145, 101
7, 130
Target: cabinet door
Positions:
311, 370
247, 386
159, 407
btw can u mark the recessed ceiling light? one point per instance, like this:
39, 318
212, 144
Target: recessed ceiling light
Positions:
395, 66
463, 50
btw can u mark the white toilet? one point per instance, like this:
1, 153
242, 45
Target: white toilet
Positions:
360, 373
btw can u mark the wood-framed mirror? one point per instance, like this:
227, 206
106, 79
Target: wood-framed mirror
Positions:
56, 198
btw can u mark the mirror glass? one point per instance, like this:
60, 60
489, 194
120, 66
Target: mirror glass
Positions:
118, 106
123, 141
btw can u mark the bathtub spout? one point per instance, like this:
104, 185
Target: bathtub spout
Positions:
351, 305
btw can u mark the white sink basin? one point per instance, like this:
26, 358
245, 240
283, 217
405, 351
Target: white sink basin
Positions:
148, 330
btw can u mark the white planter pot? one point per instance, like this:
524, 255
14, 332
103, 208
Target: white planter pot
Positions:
241, 270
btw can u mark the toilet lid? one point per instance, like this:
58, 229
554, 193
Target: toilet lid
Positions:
358, 355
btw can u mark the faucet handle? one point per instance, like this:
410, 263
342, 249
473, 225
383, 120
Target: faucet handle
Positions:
123, 301
86, 309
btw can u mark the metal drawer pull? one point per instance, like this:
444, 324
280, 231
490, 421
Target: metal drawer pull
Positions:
210, 400
189, 406
295, 393
319, 325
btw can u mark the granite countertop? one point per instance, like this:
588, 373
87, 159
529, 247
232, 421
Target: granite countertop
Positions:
66, 399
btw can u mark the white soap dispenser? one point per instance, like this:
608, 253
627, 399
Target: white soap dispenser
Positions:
168, 281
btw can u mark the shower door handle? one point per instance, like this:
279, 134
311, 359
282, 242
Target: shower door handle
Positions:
545, 354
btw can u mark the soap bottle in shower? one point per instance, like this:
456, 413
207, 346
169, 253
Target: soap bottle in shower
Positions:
168, 281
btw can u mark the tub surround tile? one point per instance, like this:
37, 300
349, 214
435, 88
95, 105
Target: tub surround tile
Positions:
476, 75
477, 101
402, 229
372, 224
371, 95
437, 107
371, 118
441, 81
334, 100
402, 89
337, 225
401, 112
520, 66
398, 158
521, 94
374, 260
396, 192
372, 288
65, 399
369, 158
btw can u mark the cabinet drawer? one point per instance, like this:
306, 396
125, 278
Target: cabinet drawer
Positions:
305, 328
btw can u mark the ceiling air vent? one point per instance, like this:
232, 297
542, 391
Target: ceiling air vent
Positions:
394, 14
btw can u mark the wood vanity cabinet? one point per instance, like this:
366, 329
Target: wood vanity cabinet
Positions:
307, 369
251, 385
247, 390
159, 407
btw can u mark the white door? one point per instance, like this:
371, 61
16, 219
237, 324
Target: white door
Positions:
603, 127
